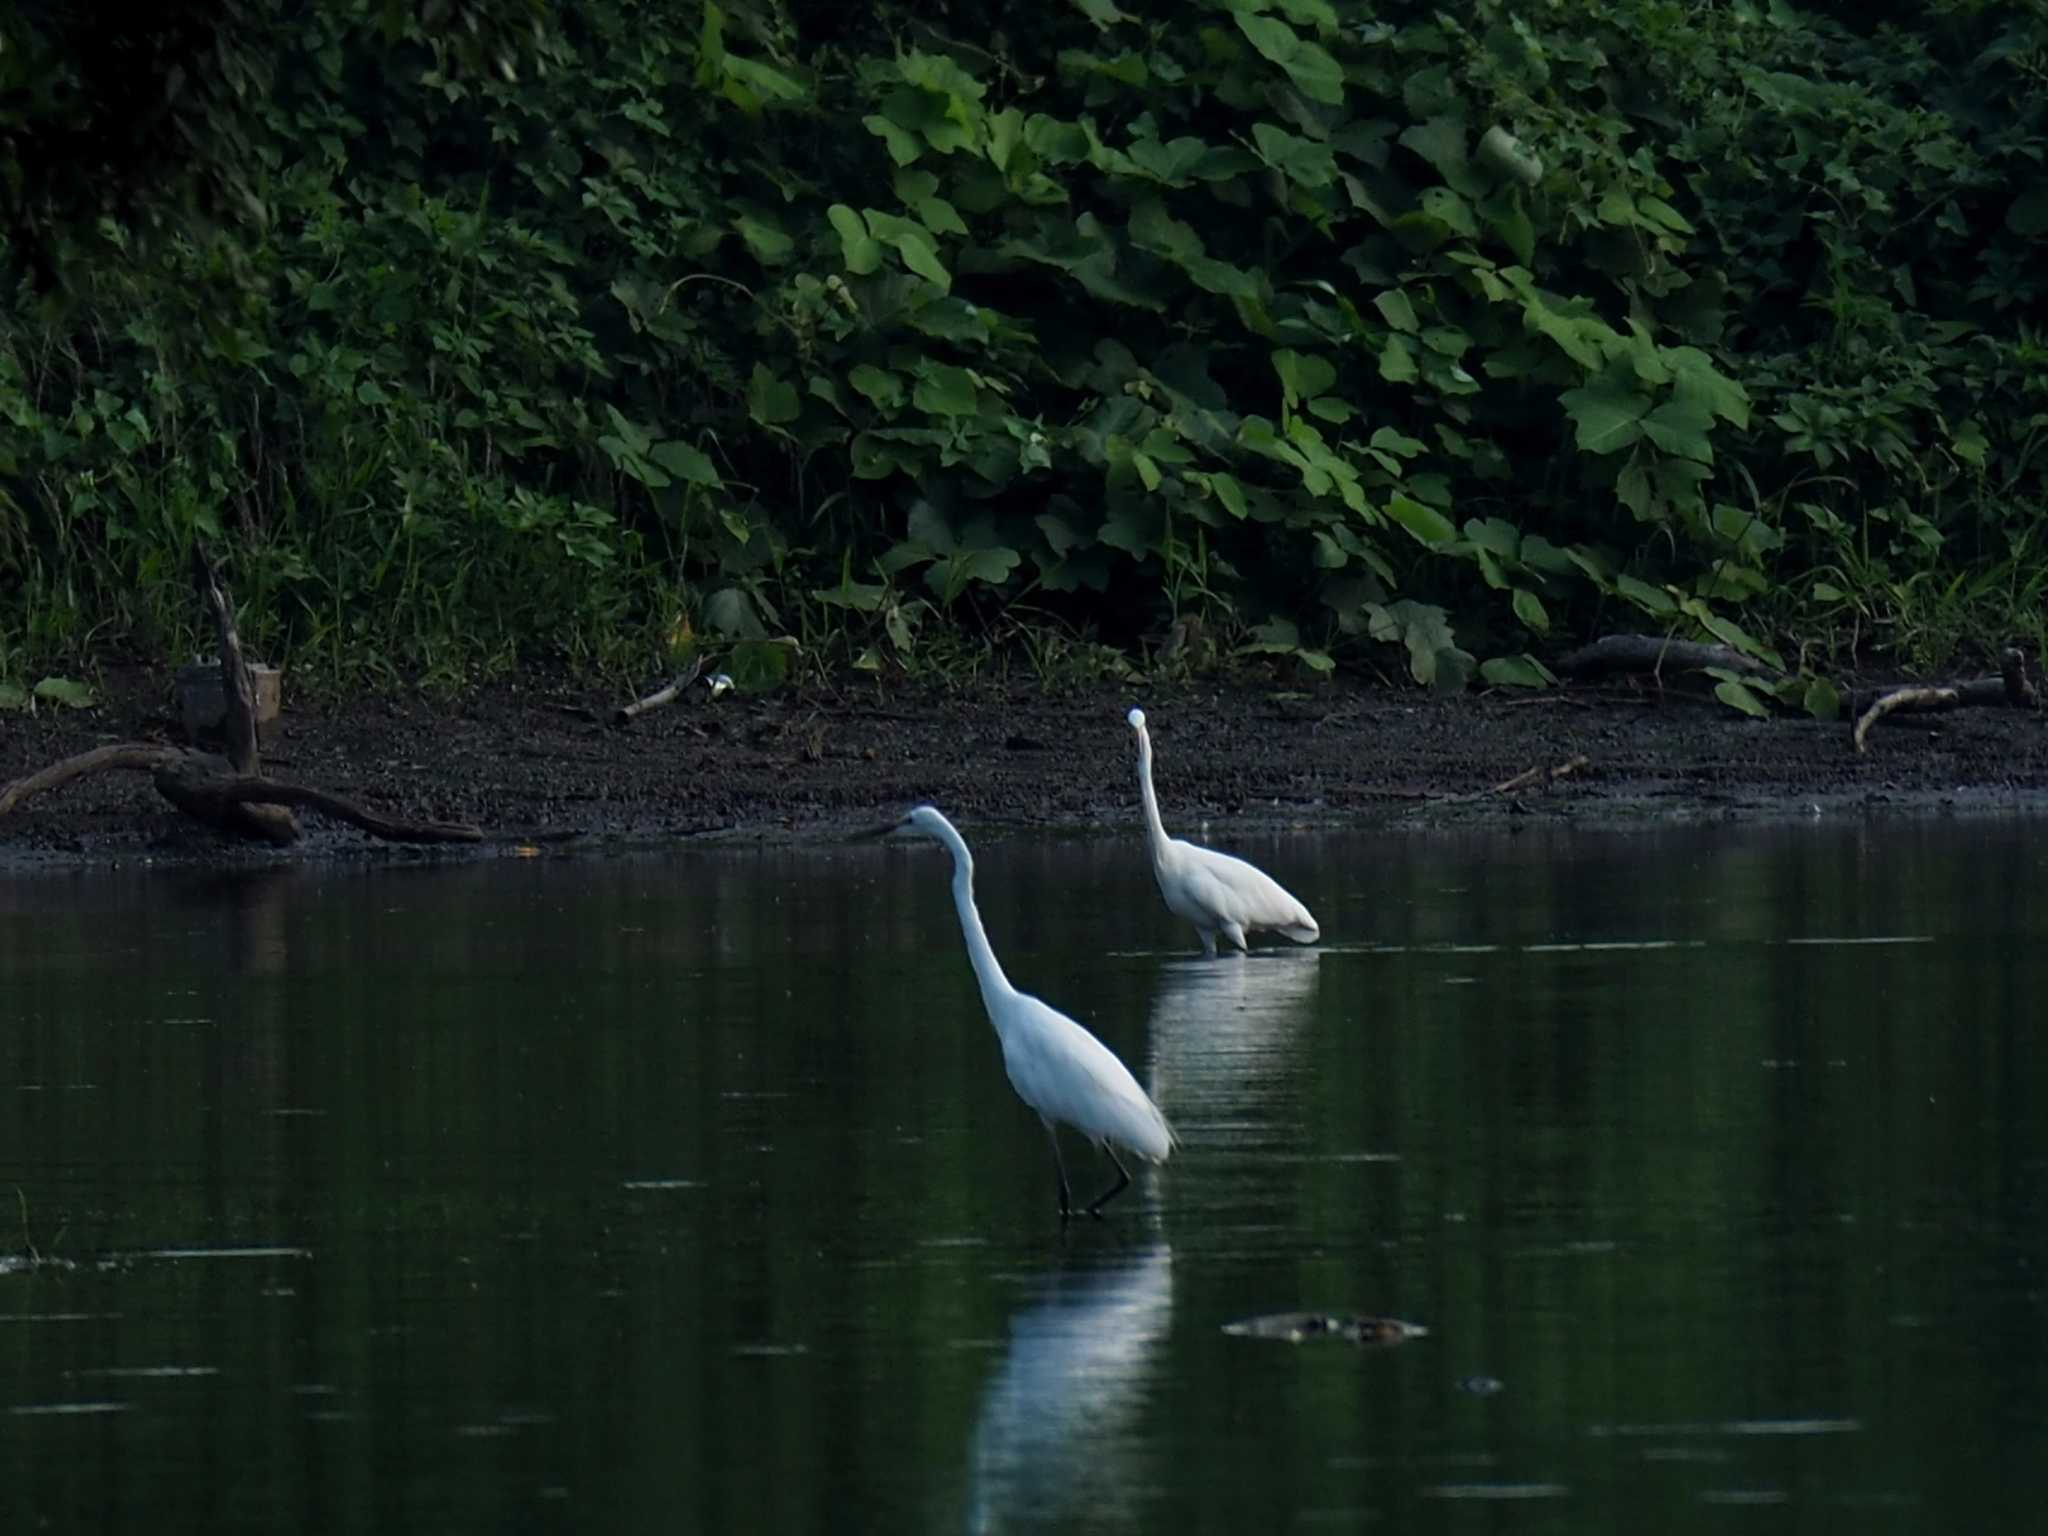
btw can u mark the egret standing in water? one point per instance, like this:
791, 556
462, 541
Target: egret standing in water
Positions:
1056, 1066
1222, 896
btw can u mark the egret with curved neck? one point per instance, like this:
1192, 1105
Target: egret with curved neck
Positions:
1063, 1072
1223, 897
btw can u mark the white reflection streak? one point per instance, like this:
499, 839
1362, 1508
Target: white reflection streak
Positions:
1053, 1434
1223, 1037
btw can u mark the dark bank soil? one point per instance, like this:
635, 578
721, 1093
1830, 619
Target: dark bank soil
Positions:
530, 761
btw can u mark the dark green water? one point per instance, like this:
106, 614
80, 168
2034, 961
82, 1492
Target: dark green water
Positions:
689, 1194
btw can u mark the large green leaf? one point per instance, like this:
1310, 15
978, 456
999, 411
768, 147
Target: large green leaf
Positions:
1516, 672
950, 574
760, 665
771, 399
1681, 426
1299, 159
67, 691
1608, 419
686, 464
1315, 74
942, 390
1303, 375
1427, 524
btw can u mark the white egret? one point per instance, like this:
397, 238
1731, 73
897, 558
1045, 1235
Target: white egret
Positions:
1056, 1066
1221, 895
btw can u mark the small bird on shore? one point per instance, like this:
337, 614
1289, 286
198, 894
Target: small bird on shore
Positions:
1224, 897
1056, 1066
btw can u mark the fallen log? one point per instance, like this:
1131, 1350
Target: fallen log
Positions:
1656, 653
206, 786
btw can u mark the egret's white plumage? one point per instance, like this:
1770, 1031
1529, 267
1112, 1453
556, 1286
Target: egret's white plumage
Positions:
1056, 1066
1223, 897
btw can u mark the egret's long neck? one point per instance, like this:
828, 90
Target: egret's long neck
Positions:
980, 954
1155, 829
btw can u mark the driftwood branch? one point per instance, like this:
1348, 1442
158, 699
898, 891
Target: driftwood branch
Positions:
391, 828
1655, 653
1902, 698
209, 788
186, 790
139, 756
231, 793
2012, 687
237, 691
625, 714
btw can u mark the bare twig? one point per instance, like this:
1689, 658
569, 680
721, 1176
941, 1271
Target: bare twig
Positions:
1541, 775
627, 713
2012, 686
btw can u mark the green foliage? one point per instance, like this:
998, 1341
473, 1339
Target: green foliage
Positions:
828, 333
66, 691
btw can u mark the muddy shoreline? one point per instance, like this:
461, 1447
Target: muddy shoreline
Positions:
533, 763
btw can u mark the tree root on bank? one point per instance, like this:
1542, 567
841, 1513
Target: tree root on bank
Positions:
1865, 707
228, 793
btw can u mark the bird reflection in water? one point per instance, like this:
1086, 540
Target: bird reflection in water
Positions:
1224, 1046
1057, 1434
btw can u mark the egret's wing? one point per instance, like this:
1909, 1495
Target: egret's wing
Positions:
1063, 1071
1233, 889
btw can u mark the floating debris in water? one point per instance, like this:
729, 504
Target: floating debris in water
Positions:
1792, 1427
1294, 1327
148, 1371
1814, 1426
22, 1263
1481, 1386
1497, 1491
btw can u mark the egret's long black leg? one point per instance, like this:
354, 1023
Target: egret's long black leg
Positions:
1060, 1164
1123, 1182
